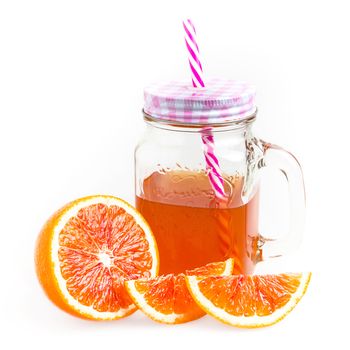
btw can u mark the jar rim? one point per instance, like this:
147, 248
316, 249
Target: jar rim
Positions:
231, 124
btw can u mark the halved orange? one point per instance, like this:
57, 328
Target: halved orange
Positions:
166, 298
86, 251
248, 301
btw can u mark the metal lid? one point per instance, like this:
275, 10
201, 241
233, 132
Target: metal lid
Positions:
220, 101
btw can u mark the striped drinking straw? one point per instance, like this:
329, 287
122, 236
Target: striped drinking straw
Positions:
212, 162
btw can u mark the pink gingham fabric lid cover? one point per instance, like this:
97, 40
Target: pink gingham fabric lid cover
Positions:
221, 101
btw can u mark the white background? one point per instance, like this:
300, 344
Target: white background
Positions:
71, 79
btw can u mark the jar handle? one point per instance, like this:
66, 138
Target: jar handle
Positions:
277, 158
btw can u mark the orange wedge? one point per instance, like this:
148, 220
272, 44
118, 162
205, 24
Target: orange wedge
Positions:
166, 298
86, 251
248, 301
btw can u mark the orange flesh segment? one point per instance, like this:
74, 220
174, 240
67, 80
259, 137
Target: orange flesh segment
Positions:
100, 248
215, 268
167, 294
249, 295
158, 292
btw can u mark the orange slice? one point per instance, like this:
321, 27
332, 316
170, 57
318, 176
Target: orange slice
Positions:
166, 299
249, 301
86, 251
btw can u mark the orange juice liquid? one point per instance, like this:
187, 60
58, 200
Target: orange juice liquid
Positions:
192, 228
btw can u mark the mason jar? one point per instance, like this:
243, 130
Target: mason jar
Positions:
197, 177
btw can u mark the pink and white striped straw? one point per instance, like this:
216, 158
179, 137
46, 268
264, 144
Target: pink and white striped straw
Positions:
212, 162
193, 54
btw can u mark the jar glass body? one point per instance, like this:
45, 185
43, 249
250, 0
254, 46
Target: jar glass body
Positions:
174, 193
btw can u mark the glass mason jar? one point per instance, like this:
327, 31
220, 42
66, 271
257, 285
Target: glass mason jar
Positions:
176, 168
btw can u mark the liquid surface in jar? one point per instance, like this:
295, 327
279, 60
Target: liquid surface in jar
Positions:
192, 227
